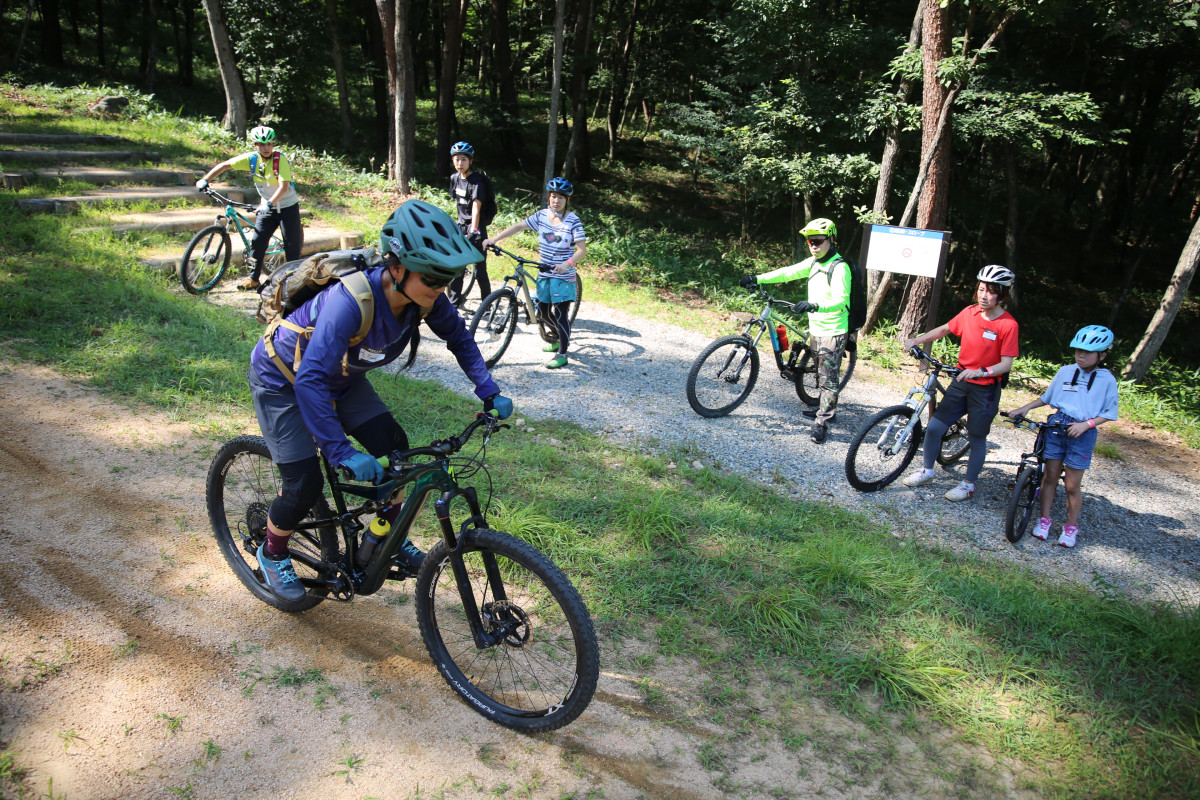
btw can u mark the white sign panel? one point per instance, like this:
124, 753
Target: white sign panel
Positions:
909, 251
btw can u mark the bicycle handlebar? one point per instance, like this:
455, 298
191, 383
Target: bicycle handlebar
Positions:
498, 250
220, 198
399, 461
1030, 424
921, 355
771, 300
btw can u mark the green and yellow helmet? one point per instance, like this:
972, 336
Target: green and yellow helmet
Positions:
426, 240
819, 227
262, 135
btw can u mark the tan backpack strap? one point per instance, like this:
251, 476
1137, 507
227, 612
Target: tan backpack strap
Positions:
269, 346
360, 289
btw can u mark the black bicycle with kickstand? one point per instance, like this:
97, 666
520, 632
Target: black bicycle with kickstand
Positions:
504, 626
1026, 492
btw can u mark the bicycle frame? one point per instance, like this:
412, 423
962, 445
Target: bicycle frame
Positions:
766, 321
230, 216
919, 397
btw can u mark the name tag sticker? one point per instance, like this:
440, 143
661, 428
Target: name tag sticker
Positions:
370, 356
462, 192
1070, 387
989, 335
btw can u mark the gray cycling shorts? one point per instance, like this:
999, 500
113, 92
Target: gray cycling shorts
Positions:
283, 427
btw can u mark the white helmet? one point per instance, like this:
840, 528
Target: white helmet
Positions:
994, 273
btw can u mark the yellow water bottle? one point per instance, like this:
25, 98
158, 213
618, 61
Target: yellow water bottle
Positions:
375, 534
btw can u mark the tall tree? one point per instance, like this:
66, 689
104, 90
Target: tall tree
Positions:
387, 22
148, 65
339, 73
406, 99
453, 22
578, 163
555, 90
52, 48
1160, 325
508, 134
231, 80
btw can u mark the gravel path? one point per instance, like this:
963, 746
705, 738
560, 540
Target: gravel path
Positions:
1138, 528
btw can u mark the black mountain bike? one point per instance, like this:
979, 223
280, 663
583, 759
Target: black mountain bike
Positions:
723, 375
495, 321
504, 626
1026, 493
886, 444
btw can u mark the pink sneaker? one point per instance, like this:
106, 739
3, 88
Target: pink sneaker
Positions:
1042, 531
1067, 537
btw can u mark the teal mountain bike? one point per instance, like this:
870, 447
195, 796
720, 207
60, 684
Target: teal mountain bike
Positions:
208, 253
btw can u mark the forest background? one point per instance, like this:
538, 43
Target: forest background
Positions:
1059, 139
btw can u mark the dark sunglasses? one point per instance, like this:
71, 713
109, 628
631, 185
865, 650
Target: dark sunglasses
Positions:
433, 283
817, 241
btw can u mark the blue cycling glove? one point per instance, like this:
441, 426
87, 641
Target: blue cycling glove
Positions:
500, 404
365, 467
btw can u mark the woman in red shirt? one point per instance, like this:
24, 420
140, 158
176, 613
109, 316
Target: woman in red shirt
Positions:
988, 346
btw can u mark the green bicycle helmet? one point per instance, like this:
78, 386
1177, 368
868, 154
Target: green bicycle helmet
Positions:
819, 227
262, 135
426, 240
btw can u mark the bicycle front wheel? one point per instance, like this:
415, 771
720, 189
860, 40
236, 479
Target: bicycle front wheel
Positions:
1022, 504
882, 449
722, 376
494, 323
205, 259
242, 482
955, 443
808, 387
574, 307
537, 669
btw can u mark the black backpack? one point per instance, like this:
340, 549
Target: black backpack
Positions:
858, 296
488, 212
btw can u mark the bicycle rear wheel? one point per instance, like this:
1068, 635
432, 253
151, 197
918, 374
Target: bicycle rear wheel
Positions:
882, 449
494, 323
205, 259
955, 443
275, 255
722, 376
807, 385
574, 308
541, 671
1022, 504
242, 482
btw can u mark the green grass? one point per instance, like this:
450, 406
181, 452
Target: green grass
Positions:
1095, 695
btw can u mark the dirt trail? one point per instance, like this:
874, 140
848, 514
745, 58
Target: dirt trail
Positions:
132, 663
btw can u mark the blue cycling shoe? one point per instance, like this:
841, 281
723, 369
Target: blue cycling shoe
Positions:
409, 559
280, 576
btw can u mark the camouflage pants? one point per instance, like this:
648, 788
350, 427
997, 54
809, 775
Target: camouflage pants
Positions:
829, 350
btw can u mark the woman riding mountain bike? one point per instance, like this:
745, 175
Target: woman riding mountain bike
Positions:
309, 384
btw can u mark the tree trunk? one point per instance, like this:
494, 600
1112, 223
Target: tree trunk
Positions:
508, 134
455, 17
935, 150
406, 100
387, 24
578, 164
891, 154
618, 96
235, 96
339, 72
555, 90
52, 52
148, 65
1156, 332
100, 33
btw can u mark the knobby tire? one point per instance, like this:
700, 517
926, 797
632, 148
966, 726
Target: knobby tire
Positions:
1022, 504
542, 673
722, 376
205, 259
870, 465
494, 323
807, 378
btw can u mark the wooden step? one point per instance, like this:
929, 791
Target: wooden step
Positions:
118, 195
10, 137
173, 219
315, 241
7, 156
101, 176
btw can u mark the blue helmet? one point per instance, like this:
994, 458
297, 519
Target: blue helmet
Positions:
560, 186
462, 149
1093, 338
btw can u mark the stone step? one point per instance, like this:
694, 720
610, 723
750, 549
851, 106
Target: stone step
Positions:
154, 194
7, 156
315, 240
173, 219
10, 137
101, 175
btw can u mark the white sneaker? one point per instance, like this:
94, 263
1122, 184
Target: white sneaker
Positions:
919, 478
1042, 531
961, 492
1067, 537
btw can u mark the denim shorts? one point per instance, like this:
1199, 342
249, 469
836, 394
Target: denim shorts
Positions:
1075, 453
555, 290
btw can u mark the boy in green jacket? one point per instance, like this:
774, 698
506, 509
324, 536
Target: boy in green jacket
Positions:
828, 308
